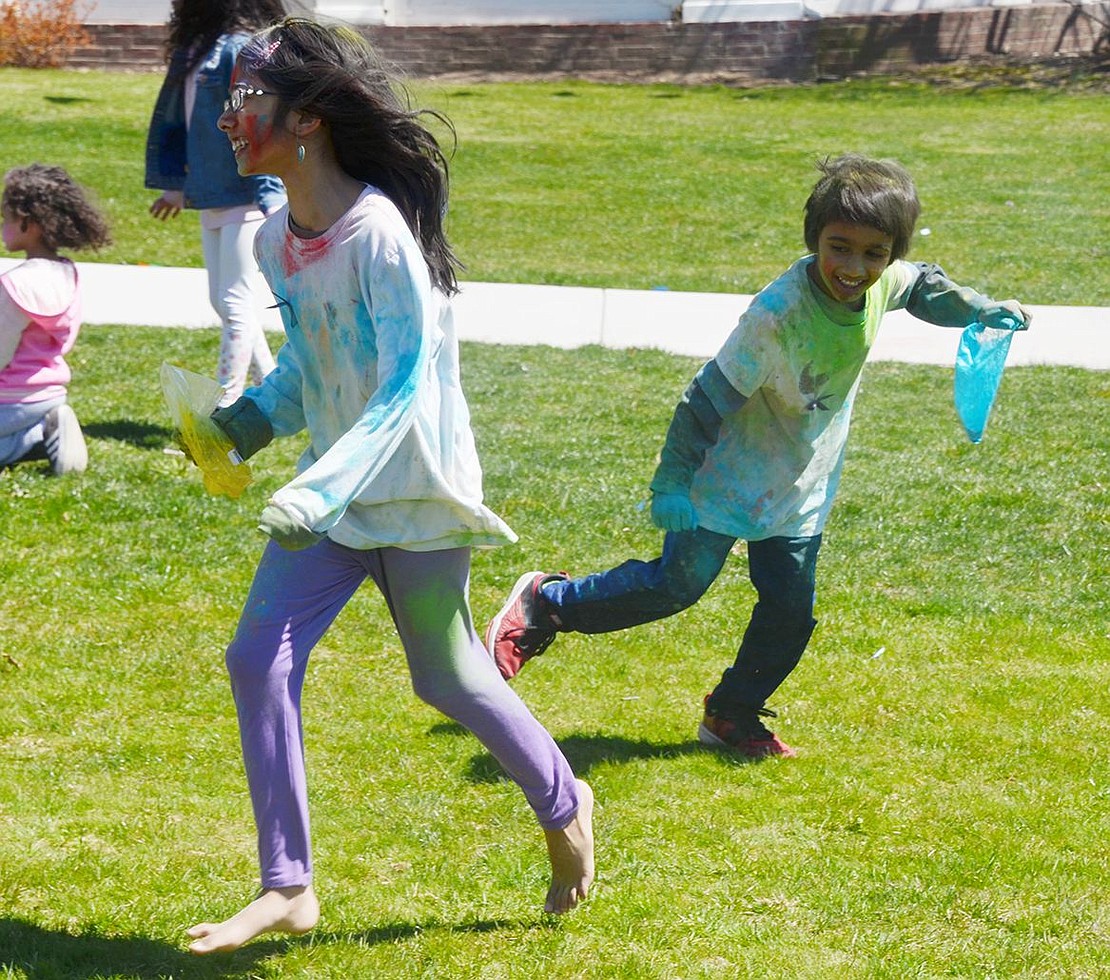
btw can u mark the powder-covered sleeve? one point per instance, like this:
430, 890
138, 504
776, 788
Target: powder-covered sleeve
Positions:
925, 292
397, 284
898, 281
278, 396
741, 358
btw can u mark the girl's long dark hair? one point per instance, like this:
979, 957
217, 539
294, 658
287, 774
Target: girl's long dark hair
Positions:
332, 73
195, 24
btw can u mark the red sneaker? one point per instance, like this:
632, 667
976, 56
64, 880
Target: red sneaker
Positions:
513, 636
745, 736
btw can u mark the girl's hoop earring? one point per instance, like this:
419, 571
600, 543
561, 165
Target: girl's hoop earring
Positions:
300, 153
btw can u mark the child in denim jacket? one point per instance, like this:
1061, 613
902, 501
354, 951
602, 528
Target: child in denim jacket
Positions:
189, 161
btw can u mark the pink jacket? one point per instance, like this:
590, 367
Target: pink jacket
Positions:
40, 314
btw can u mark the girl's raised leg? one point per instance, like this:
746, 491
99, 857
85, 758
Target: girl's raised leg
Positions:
451, 670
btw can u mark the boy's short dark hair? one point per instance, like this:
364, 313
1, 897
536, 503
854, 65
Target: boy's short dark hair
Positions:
876, 193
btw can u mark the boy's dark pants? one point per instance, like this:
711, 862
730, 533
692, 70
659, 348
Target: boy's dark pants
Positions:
783, 571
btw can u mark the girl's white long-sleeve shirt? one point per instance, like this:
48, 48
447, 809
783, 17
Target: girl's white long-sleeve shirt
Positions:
370, 367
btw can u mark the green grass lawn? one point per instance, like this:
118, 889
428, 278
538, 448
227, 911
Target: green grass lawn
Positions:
691, 188
946, 816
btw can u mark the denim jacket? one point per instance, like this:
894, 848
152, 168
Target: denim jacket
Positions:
197, 159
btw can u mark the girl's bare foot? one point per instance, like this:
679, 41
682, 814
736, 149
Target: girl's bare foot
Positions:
572, 856
292, 910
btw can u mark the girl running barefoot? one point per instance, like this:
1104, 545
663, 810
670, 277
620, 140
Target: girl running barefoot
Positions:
389, 487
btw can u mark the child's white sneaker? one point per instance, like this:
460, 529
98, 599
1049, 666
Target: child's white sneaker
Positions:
64, 441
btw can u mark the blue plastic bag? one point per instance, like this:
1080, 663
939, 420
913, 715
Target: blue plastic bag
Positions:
980, 360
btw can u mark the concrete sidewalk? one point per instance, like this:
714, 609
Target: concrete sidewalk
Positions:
569, 316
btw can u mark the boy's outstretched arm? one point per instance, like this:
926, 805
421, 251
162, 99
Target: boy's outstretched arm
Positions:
694, 427
936, 299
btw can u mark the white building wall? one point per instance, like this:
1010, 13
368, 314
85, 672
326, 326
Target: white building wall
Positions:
414, 13
128, 12
411, 13
352, 11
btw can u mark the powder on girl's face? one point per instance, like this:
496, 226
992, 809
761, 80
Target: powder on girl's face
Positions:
257, 127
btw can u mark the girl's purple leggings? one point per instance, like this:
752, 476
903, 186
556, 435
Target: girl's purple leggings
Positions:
295, 596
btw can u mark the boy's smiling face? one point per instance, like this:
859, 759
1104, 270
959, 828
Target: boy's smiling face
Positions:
850, 259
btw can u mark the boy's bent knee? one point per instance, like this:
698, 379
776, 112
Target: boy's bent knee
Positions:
680, 587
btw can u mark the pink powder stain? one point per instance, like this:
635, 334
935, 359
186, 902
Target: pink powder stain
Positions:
761, 503
306, 252
257, 130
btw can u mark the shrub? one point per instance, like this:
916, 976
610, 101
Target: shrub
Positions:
40, 33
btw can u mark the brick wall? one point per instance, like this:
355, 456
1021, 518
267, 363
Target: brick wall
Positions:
884, 44
124, 47
736, 53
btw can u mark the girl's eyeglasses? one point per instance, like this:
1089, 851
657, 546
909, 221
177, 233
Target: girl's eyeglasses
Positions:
236, 96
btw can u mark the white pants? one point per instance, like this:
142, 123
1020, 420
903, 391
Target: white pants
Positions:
238, 293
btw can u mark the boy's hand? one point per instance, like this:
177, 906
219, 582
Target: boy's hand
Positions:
673, 512
1007, 315
286, 529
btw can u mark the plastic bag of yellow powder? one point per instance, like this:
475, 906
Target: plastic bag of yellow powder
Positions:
191, 399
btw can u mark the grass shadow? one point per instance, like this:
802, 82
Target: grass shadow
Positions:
447, 728
583, 752
36, 455
141, 434
408, 930
36, 952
